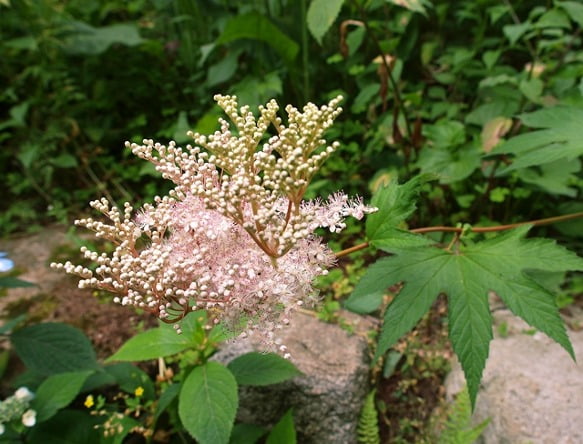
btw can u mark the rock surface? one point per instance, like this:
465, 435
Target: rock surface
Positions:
327, 399
531, 388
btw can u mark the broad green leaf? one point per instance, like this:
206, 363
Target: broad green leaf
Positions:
68, 427
246, 434
395, 203
57, 392
160, 342
51, 348
262, 369
466, 275
364, 302
574, 9
321, 15
451, 165
558, 136
84, 39
257, 27
284, 431
208, 403
514, 32
557, 177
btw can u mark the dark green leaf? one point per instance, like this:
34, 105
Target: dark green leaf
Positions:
166, 398
246, 434
83, 39
129, 378
51, 348
262, 369
321, 15
558, 137
67, 427
208, 403
12, 282
284, 431
57, 392
257, 27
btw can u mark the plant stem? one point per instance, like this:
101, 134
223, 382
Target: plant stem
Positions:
538, 222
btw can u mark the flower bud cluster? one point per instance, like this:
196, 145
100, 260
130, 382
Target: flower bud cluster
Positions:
16, 408
235, 236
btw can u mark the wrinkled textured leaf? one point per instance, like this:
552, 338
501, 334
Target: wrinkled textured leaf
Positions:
262, 369
466, 276
56, 392
558, 136
257, 27
51, 348
208, 403
321, 15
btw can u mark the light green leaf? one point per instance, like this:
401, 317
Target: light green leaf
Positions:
321, 15
284, 431
413, 5
56, 392
450, 165
558, 136
257, 27
574, 9
208, 403
555, 178
51, 348
160, 342
83, 39
514, 32
395, 203
466, 275
262, 369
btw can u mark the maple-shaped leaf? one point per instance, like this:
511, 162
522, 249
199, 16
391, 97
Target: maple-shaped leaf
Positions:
466, 275
558, 137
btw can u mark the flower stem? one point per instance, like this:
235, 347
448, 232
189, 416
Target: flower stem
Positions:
538, 222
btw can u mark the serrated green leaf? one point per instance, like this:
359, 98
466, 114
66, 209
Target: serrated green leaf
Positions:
284, 431
208, 403
395, 203
321, 15
262, 369
257, 27
558, 136
450, 166
467, 275
56, 392
51, 348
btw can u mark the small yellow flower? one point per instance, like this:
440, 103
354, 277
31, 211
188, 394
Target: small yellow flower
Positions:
139, 391
89, 401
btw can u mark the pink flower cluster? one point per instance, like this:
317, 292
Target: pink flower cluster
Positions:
235, 236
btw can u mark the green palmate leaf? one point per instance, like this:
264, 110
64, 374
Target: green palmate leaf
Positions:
208, 403
558, 137
257, 27
395, 203
466, 276
321, 15
284, 431
262, 369
56, 392
51, 348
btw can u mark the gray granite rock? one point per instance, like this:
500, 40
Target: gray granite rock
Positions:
327, 398
531, 388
